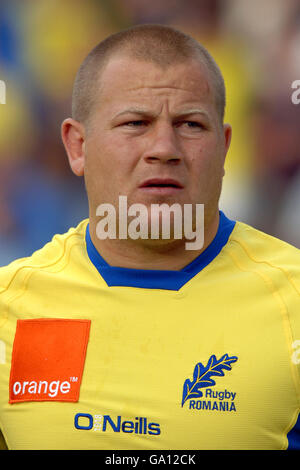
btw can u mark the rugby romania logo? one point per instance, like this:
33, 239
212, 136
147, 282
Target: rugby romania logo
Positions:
202, 376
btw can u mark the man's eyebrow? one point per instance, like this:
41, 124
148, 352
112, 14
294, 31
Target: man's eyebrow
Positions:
139, 111
146, 112
189, 111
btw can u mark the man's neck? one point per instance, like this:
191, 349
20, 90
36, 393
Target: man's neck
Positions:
151, 254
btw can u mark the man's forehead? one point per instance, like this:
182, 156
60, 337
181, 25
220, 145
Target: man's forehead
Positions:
126, 74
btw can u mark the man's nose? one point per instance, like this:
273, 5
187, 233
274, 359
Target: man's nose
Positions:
163, 145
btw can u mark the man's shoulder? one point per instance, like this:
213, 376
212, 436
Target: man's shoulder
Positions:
266, 245
266, 250
46, 258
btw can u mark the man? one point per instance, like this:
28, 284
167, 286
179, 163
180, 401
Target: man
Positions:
127, 342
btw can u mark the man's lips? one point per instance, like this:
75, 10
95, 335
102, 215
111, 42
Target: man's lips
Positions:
161, 185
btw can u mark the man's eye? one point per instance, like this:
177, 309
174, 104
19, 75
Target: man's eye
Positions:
138, 123
193, 124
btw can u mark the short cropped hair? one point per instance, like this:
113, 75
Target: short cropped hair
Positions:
159, 44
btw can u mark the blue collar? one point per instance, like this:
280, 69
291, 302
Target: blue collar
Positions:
160, 279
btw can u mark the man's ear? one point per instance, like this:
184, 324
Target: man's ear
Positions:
227, 135
227, 130
73, 137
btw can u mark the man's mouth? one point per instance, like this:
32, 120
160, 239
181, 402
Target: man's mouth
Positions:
161, 185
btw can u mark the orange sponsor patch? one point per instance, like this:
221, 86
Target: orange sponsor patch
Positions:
48, 360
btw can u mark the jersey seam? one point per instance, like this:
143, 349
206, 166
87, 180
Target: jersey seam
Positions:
33, 269
285, 314
45, 265
284, 271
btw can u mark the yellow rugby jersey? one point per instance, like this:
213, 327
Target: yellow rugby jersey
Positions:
100, 357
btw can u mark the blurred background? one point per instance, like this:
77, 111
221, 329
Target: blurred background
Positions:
43, 42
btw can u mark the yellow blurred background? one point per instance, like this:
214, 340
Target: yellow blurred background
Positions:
43, 42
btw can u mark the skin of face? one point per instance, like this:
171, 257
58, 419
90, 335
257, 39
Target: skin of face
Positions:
150, 122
